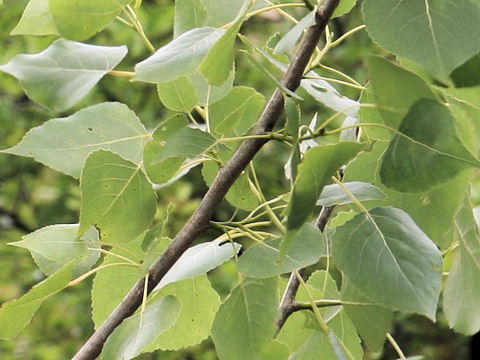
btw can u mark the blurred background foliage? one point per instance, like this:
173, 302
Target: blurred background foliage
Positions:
33, 196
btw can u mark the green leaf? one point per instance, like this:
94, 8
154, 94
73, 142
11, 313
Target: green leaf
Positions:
137, 332
167, 170
178, 95
61, 75
199, 303
179, 58
423, 31
372, 322
64, 144
463, 284
240, 194
387, 256
199, 259
315, 171
426, 151
16, 314
245, 321
291, 37
433, 210
58, 245
334, 194
396, 90
116, 198
208, 94
236, 113
467, 74
219, 62
260, 260
79, 20
185, 143
36, 20
293, 114
189, 14
343, 8
116, 278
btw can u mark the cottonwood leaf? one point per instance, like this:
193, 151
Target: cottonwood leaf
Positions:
371, 321
207, 93
199, 259
178, 95
218, 63
137, 332
463, 284
181, 57
334, 194
64, 143
343, 8
16, 314
395, 89
61, 75
387, 256
244, 324
236, 113
315, 171
200, 303
292, 36
36, 20
189, 14
424, 31
116, 197
55, 246
116, 278
79, 20
426, 151
185, 143
260, 260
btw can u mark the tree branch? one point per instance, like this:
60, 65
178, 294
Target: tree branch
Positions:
199, 221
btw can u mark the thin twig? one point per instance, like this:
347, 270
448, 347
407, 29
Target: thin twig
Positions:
199, 221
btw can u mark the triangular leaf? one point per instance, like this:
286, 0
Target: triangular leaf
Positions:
36, 20
58, 245
61, 75
64, 144
387, 256
116, 197
334, 194
426, 151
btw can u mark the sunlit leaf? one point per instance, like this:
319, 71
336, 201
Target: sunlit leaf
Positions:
79, 20
137, 332
61, 75
64, 144
199, 303
334, 194
179, 58
58, 245
198, 260
36, 20
116, 197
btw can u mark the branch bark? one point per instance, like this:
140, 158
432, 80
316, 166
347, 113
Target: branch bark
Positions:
199, 221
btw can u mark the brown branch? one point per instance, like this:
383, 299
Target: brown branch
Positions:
199, 221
